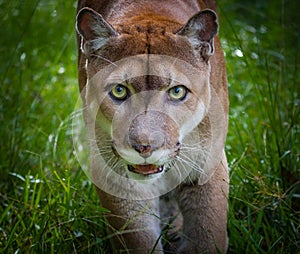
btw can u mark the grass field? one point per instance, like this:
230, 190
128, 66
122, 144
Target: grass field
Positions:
47, 204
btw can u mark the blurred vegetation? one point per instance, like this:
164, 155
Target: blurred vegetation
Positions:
261, 42
48, 205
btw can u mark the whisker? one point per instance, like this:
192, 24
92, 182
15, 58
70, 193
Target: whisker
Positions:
183, 167
189, 162
105, 59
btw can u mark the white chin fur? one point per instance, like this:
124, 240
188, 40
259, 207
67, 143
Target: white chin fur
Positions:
140, 177
158, 157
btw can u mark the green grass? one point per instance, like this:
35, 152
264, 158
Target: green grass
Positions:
47, 203
262, 46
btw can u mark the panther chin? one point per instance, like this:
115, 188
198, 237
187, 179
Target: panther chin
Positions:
146, 171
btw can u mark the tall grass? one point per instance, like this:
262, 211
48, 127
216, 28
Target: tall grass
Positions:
261, 46
48, 205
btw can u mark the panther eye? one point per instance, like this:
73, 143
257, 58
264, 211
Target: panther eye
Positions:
178, 93
119, 92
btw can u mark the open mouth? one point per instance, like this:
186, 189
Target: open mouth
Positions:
146, 169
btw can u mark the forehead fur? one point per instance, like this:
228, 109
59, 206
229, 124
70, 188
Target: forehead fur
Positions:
145, 37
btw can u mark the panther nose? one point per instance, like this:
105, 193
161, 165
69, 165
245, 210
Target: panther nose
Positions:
144, 150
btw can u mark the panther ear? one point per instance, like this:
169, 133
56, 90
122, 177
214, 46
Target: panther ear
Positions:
200, 31
93, 28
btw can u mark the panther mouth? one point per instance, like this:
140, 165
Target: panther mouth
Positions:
148, 169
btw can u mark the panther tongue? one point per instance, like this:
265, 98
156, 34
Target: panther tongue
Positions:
147, 169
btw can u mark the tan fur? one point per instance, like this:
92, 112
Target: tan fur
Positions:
136, 27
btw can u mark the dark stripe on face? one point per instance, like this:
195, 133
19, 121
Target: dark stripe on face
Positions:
148, 38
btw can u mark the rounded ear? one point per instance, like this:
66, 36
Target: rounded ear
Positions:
200, 31
93, 28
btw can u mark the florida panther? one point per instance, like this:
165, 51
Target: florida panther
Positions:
154, 72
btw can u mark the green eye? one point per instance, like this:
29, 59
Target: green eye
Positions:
119, 92
178, 93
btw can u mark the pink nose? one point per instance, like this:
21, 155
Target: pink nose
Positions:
144, 150
150, 131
